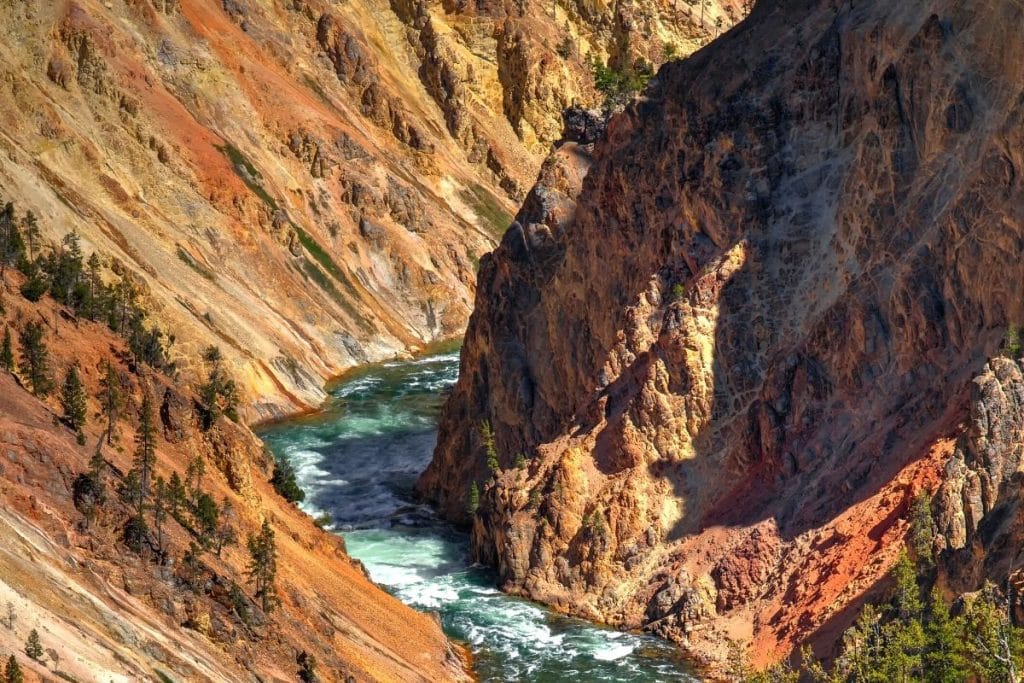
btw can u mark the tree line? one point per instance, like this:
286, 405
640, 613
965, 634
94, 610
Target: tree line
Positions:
150, 499
915, 634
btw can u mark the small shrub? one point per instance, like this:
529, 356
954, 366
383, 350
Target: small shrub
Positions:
33, 646
284, 482
136, 533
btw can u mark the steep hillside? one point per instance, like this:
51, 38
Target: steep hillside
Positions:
308, 184
734, 352
174, 608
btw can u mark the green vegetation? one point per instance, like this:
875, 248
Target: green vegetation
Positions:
263, 566
111, 398
89, 490
145, 448
224, 534
187, 259
473, 503
488, 209
922, 530
77, 283
12, 672
566, 47
321, 256
678, 292
219, 394
490, 452
35, 359
33, 646
307, 667
283, 481
7, 351
161, 504
206, 518
908, 638
72, 402
620, 85
244, 169
1012, 342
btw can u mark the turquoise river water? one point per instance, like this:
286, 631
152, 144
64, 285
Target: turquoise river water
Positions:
358, 459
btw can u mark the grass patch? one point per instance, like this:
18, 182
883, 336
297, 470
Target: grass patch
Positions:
320, 278
187, 259
488, 208
313, 272
315, 86
325, 260
244, 169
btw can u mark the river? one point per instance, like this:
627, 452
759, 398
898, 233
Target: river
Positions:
358, 459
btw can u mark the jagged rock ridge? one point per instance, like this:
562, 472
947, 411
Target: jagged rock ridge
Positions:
734, 352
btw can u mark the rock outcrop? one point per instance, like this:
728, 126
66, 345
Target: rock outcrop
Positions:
729, 357
308, 184
177, 608
977, 509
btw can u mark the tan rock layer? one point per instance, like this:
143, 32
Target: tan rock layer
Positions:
106, 613
306, 183
781, 273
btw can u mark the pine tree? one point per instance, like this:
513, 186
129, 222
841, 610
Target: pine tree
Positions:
12, 244
191, 563
92, 304
161, 503
219, 394
194, 478
177, 497
145, 448
111, 399
206, 518
490, 452
474, 498
943, 661
89, 490
284, 482
36, 283
33, 647
225, 535
994, 645
906, 595
922, 531
72, 400
31, 227
263, 565
7, 351
13, 672
35, 359
307, 667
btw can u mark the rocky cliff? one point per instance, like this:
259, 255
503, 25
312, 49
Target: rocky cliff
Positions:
306, 183
175, 608
722, 348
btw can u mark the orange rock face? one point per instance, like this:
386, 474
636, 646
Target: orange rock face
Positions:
731, 354
308, 184
104, 612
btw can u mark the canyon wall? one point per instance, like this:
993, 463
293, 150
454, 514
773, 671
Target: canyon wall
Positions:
307, 184
722, 348
179, 607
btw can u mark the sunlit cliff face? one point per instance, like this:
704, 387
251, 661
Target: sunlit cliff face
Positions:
306, 184
720, 447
